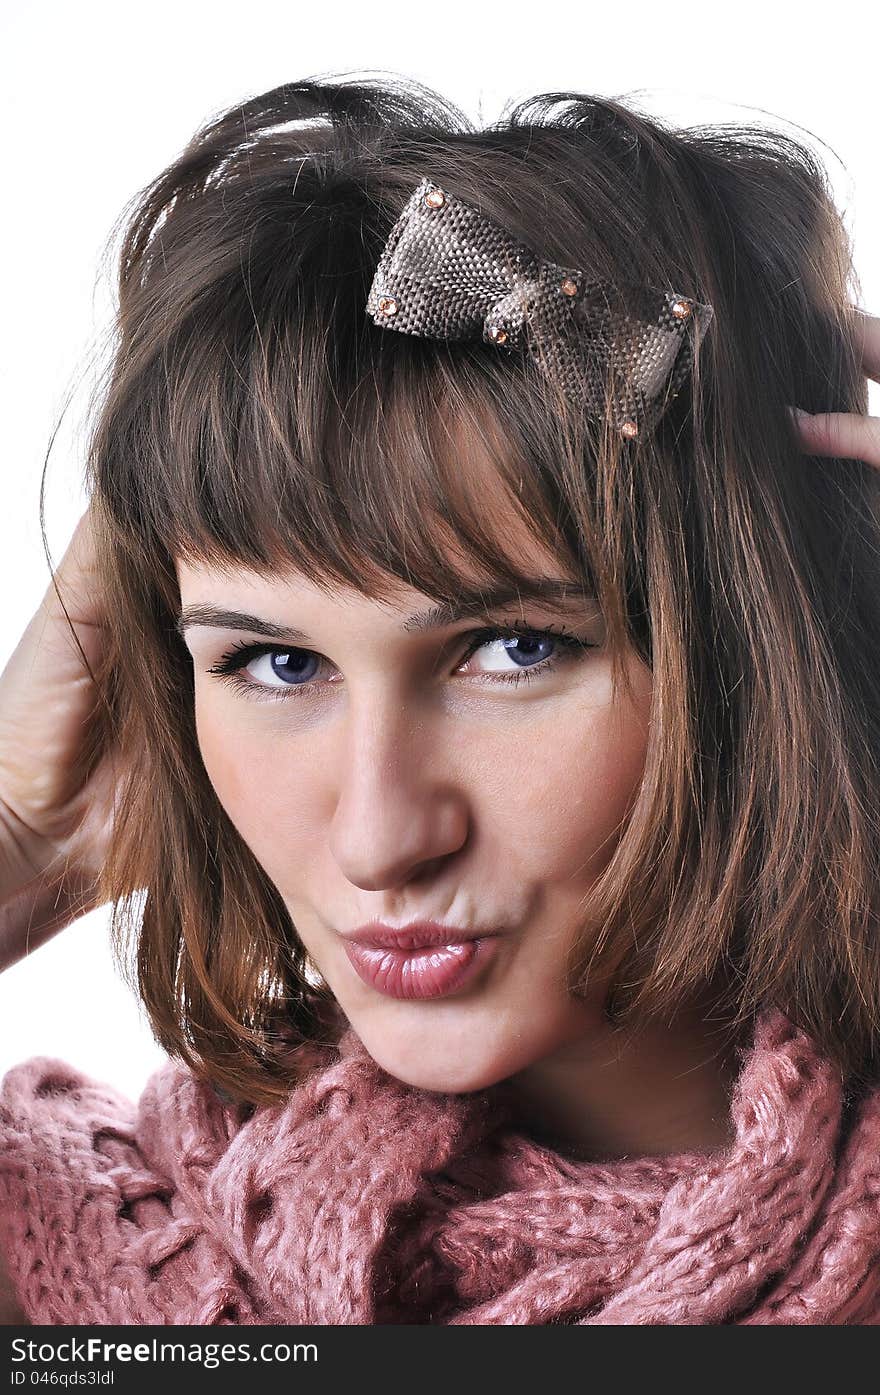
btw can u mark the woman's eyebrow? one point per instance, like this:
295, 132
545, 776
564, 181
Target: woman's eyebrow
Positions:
447, 613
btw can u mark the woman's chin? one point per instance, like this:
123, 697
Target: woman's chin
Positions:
456, 1053
454, 1077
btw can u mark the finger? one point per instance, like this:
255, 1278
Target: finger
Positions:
846, 434
868, 333
76, 577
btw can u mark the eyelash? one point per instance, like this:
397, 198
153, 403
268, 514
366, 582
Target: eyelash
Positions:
236, 658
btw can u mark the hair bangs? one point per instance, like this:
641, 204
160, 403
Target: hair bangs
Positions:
402, 464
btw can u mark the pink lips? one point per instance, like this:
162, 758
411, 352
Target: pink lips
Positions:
421, 960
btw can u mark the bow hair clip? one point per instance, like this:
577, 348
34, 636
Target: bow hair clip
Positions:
449, 272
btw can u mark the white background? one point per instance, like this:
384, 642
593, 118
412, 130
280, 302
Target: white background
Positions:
97, 98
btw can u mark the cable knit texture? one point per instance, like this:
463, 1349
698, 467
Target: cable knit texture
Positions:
362, 1200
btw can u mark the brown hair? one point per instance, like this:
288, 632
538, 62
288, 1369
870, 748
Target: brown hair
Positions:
255, 414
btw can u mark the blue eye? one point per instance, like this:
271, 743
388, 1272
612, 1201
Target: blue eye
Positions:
300, 665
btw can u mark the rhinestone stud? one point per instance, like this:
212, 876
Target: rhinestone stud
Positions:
568, 286
387, 305
435, 198
497, 334
629, 429
681, 309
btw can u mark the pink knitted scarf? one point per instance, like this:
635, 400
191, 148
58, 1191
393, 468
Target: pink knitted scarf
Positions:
363, 1200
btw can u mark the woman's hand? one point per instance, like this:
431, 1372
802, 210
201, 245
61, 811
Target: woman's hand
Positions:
55, 814
847, 434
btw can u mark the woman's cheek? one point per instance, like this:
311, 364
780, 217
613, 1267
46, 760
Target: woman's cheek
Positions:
590, 762
246, 774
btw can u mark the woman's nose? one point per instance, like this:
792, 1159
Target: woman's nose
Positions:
399, 806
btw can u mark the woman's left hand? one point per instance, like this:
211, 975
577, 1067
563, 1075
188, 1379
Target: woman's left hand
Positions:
847, 434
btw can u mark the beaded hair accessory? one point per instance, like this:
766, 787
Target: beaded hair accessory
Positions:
448, 272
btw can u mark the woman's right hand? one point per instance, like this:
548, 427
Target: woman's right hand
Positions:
55, 815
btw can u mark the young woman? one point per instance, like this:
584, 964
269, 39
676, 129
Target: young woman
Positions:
488, 783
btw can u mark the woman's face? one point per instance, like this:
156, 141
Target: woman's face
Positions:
378, 773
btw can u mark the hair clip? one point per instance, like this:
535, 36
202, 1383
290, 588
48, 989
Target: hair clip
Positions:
449, 272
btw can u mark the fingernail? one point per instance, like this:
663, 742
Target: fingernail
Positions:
799, 414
